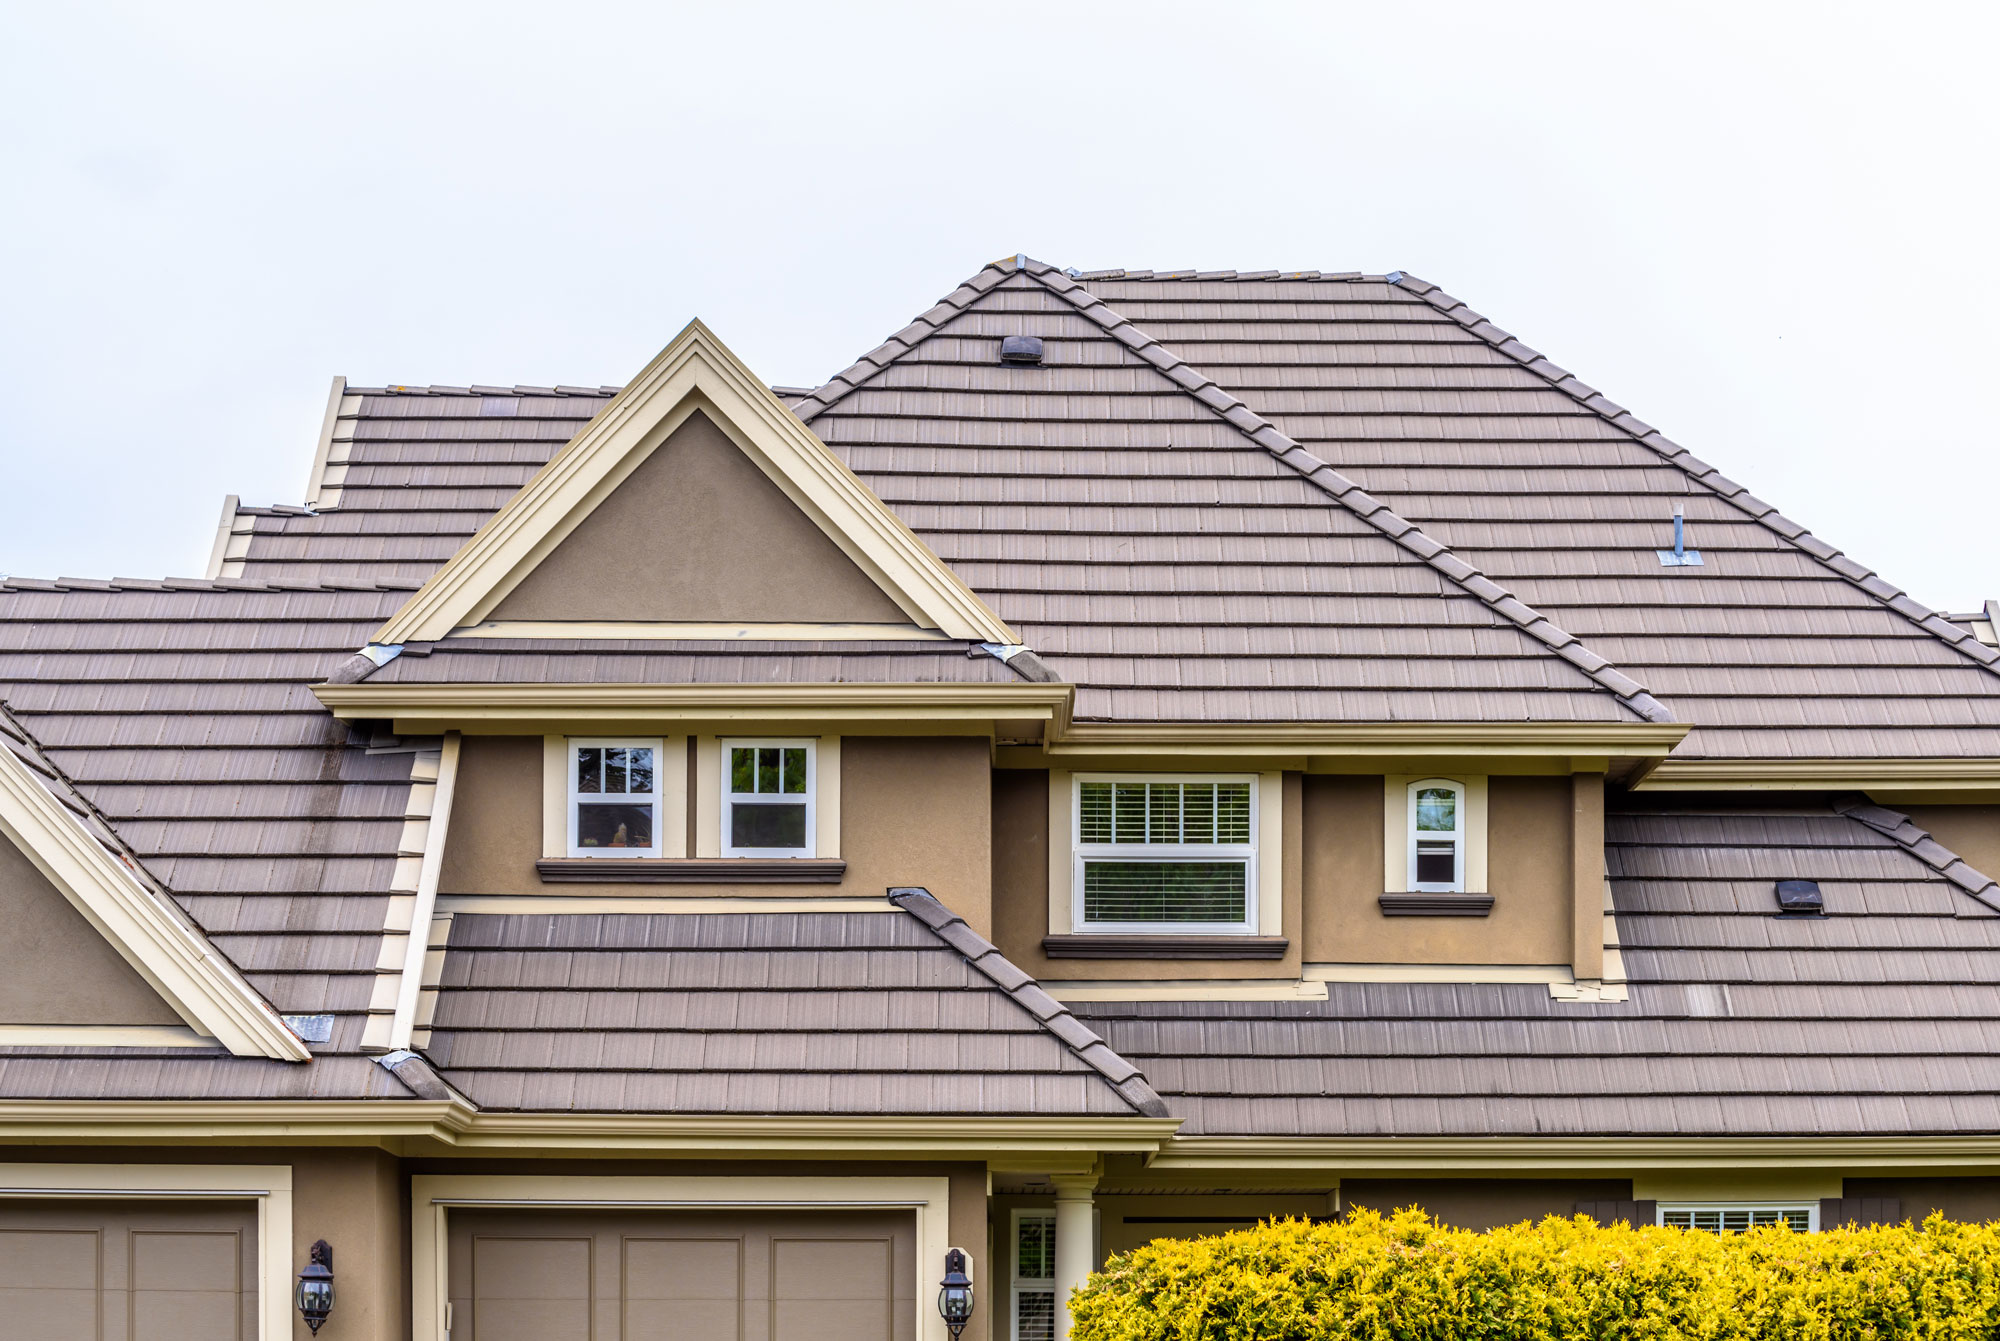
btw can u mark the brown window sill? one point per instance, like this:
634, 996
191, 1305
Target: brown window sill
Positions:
693, 870
1437, 905
1164, 947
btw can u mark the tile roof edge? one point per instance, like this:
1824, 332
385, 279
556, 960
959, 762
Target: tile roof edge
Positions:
1671, 452
1595, 667
1918, 842
1084, 1044
201, 584
109, 836
921, 328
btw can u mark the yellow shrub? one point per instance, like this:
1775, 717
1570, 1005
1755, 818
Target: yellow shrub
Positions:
1405, 1277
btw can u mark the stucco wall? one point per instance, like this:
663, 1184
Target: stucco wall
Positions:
1483, 1203
54, 966
698, 532
913, 811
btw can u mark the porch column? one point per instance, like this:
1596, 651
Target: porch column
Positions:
1076, 1240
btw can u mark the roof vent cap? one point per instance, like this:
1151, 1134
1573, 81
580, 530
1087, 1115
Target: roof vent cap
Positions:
1800, 896
1021, 349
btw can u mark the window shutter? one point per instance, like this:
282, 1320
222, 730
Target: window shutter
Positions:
1863, 1211
1634, 1213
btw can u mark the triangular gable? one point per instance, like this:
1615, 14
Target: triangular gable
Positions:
55, 969
168, 952
695, 375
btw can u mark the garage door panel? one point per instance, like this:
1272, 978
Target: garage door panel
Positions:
183, 1284
684, 1275
831, 1289
688, 1288
532, 1288
128, 1271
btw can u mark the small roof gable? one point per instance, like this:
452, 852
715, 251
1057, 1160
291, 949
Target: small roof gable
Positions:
73, 846
534, 559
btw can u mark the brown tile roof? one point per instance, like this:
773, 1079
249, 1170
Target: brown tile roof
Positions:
182, 712
1881, 1018
1110, 503
905, 1013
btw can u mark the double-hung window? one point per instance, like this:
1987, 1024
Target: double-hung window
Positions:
1032, 1308
1437, 837
614, 800
767, 798
1166, 854
1724, 1217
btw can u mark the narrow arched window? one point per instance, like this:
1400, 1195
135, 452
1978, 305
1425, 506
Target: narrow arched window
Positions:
1437, 837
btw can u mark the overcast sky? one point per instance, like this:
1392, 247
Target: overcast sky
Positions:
1768, 229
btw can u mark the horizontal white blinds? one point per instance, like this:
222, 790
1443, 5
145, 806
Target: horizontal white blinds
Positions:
1164, 891
1206, 813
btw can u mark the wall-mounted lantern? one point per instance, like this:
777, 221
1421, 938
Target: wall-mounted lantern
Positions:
955, 1293
316, 1286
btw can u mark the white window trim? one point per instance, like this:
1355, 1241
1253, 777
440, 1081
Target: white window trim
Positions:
1458, 836
575, 798
811, 795
1017, 1285
1811, 1208
1253, 889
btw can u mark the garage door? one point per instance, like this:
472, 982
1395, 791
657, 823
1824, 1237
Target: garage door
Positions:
691, 1276
100, 1271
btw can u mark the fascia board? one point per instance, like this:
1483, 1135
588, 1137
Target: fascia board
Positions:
1442, 1155
695, 371
177, 960
1603, 740
1977, 775
469, 706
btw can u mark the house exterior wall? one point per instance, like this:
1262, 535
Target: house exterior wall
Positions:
1972, 831
698, 533
55, 968
1482, 1203
913, 811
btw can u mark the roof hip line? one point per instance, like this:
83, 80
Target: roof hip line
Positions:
1406, 534
1918, 842
1698, 470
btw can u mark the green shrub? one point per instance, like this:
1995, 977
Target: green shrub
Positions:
1405, 1277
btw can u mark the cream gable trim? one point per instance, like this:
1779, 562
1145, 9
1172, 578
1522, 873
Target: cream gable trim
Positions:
671, 631
203, 988
696, 372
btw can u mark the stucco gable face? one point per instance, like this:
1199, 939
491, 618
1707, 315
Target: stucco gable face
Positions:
57, 969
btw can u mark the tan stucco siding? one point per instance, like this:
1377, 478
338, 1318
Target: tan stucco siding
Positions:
1964, 1198
1529, 876
913, 811
1973, 832
697, 532
55, 968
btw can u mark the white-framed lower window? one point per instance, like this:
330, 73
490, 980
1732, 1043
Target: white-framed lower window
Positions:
1437, 836
1166, 854
767, 798
1031, 1308
614, 798
1733, 1217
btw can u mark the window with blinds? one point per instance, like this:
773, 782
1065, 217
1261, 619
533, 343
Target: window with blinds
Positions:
1033, 1307
1165, 854
1734, 1219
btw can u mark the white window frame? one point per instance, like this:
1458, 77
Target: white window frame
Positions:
1811, 1209
730, 799
1018, 1285
1081, 854
1458, 837
577, 798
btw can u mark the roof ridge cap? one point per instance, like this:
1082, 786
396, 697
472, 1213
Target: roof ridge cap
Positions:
1629, 692
1918, 842
919, 329
1083, 1042
1671, 452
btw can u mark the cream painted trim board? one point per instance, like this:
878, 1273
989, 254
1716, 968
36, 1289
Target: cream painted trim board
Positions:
1185, 989
1623, 740
1843, 775
218, 553
1396, 829
269, 1186
416, 945
433, 1196
399, 924
320, 491
172, 954
1725, 1156
649, 902
1439, 973
696, 372
670, 632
